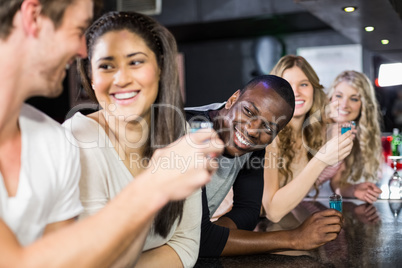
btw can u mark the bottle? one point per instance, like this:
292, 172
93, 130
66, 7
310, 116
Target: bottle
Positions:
396, 142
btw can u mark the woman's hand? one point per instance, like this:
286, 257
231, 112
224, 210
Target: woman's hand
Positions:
367, 191
336, 149
335, 129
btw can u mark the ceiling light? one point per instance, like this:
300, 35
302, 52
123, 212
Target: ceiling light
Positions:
385, 41
349, 9
369, 28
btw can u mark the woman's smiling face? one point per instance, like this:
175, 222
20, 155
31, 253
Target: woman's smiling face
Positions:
125, 75
302, 88
345, 103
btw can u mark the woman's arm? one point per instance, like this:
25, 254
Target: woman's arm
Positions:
365, 191
181, 250
277, 202
163, 256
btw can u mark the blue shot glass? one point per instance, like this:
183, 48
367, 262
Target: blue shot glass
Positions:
196, 125
347, 126
335, 202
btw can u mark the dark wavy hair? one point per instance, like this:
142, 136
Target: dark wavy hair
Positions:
167, 123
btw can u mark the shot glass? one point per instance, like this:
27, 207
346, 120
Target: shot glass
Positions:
345, 127
335, 202
196, 125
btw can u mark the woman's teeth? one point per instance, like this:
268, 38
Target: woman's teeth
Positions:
299, 102
241, 139
125, 95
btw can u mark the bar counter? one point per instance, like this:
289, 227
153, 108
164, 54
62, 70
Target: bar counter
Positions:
371, 237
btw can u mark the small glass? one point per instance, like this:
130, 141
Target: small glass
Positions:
335, 202
196, 125
395, 182
345, 127
395, 206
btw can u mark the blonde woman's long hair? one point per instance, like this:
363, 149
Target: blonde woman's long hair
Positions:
366, 152
314, 123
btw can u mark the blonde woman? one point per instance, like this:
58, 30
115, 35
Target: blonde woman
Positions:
299, 154
352, 98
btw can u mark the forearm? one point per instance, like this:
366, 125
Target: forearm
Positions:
242, 242
345, 190
226, 222
289, 196
132, 255
163, 256
96, 241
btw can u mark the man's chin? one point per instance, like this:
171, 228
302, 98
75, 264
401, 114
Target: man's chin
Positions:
55, 93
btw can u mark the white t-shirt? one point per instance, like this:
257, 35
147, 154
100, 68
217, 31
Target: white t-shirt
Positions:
104, 176
48, 183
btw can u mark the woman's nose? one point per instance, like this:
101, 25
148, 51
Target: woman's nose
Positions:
295, 90
122, 77
344, 102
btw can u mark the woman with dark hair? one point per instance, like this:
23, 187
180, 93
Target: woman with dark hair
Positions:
131, 72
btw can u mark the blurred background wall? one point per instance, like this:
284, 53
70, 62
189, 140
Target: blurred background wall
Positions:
225, 43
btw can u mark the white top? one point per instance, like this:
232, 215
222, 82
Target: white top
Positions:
104, 175
48, 184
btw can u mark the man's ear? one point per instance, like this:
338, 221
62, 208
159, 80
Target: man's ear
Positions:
30, 15
232, 100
